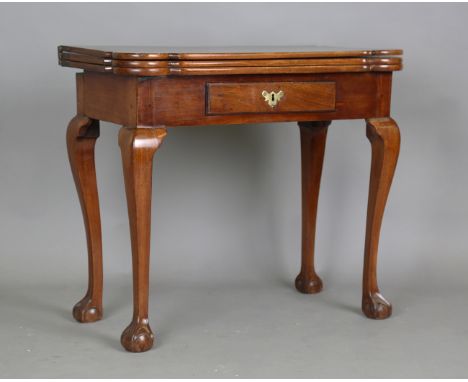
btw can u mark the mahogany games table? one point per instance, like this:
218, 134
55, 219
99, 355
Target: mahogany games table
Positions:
149, 89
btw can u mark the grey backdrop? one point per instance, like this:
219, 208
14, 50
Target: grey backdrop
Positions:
226, 208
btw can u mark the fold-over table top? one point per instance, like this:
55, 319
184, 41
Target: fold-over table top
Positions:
162, 61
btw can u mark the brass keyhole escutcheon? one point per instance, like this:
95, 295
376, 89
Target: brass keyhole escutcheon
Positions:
272, 98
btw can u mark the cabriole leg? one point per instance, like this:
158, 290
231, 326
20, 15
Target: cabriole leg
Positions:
384, 137
81, 138
138, 146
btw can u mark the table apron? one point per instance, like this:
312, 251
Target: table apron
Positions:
207, 100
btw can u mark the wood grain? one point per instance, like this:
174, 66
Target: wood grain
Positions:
86, 66
268, 70
224, 53
384, 135
278, 62
110, 98
265, 63
138, 147
154, 61
182, 101
313, 139
82, 133
155, 70
234, 98
149, 89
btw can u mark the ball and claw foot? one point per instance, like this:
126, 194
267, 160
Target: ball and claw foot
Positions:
376, 306
137, 337
87, 311
308, 285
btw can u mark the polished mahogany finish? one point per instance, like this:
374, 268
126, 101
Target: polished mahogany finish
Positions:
81, 137
304, 97
223, 52
384, 135
313, 139
147, 90
159, 61
82, 134
183, 101
138, 147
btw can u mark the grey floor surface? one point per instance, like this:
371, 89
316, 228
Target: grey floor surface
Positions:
262, 328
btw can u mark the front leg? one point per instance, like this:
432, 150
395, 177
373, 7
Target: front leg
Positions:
81, 138
384, 136
138, 146
313, 139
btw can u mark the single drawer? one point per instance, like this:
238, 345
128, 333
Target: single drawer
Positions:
269, 97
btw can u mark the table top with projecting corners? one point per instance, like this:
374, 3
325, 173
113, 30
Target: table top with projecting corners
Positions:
181, 61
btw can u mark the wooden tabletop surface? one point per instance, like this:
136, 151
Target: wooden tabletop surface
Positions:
154, 61
231, 52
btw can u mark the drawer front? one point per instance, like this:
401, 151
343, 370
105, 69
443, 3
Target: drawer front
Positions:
269, 97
